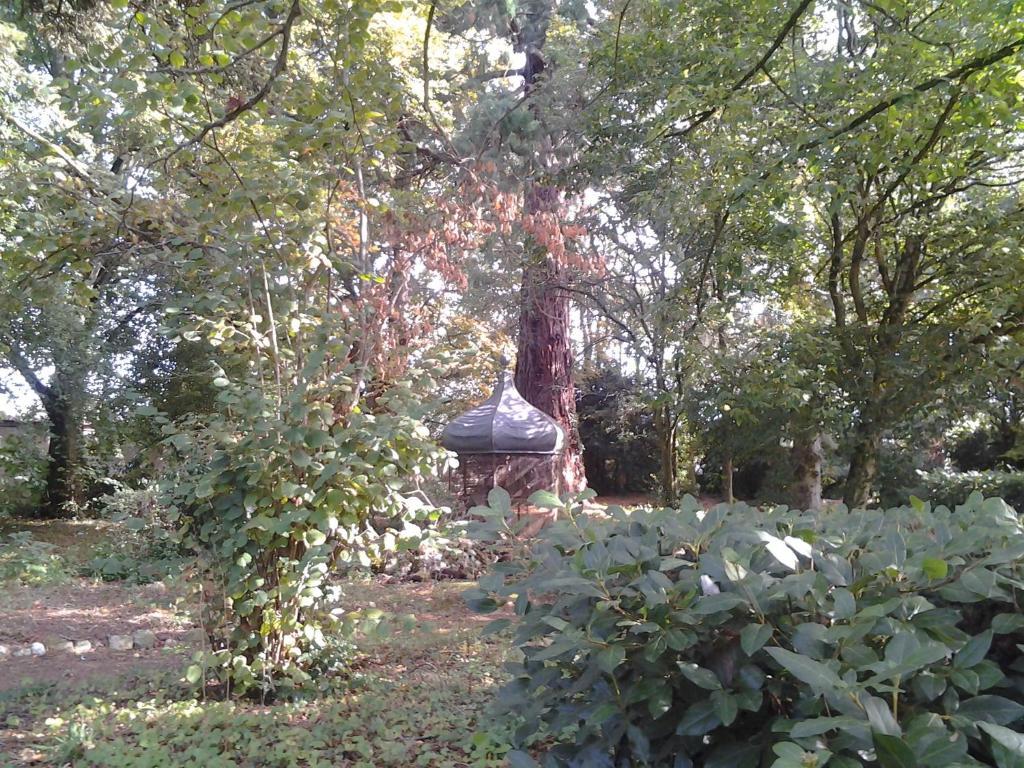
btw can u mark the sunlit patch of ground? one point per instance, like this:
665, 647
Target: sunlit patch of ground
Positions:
418, 695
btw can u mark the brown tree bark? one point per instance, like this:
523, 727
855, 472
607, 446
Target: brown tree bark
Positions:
63, 491
867, 441
807, 456
727, 473
544, 361
667, 437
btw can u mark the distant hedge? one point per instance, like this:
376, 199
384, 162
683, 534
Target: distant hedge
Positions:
738, 638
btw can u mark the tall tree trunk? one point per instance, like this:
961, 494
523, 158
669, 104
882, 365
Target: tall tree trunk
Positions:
667, 438
863, 463
807, 456
544, 361
63, 491
727, 473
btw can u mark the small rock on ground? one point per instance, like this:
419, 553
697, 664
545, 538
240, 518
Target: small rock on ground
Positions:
120, 642
37, 649
144, 638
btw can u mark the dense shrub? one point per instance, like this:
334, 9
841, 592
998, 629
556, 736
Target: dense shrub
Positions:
951, 488
617, 427
26, 560
143, 546
736, 638
274, 498
22, 470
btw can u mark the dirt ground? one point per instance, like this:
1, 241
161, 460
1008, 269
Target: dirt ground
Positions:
87, 610
83, 609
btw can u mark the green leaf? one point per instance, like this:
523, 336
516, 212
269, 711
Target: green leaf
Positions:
844, 602
934, 568
893, 752
660, 701
699, 719
880, 716
787, 750
699, 676
819, 725
545, 499
812, 672
993, 709
726, 706
609, 658
194, 674
519, 759
1007, 745
499, 500
1007, 623
974, 651
754, 636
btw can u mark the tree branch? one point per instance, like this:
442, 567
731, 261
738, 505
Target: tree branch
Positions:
280, 65
708, 113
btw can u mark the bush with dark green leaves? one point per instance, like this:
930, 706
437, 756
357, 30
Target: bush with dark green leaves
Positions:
741, 638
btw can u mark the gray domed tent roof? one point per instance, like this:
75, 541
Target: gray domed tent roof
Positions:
504, 423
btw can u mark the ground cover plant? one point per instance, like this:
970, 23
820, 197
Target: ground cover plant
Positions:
744, 637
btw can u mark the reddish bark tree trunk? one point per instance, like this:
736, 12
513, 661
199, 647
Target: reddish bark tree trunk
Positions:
544, 363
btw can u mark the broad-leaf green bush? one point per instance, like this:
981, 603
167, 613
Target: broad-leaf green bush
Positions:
276, 497
739, 638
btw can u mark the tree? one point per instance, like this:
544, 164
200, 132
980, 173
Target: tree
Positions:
79, 270
891, 130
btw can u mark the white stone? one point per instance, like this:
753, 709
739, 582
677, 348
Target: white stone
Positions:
120, 642
144, 638
23, 652
82, 646
38, 649
4, 651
